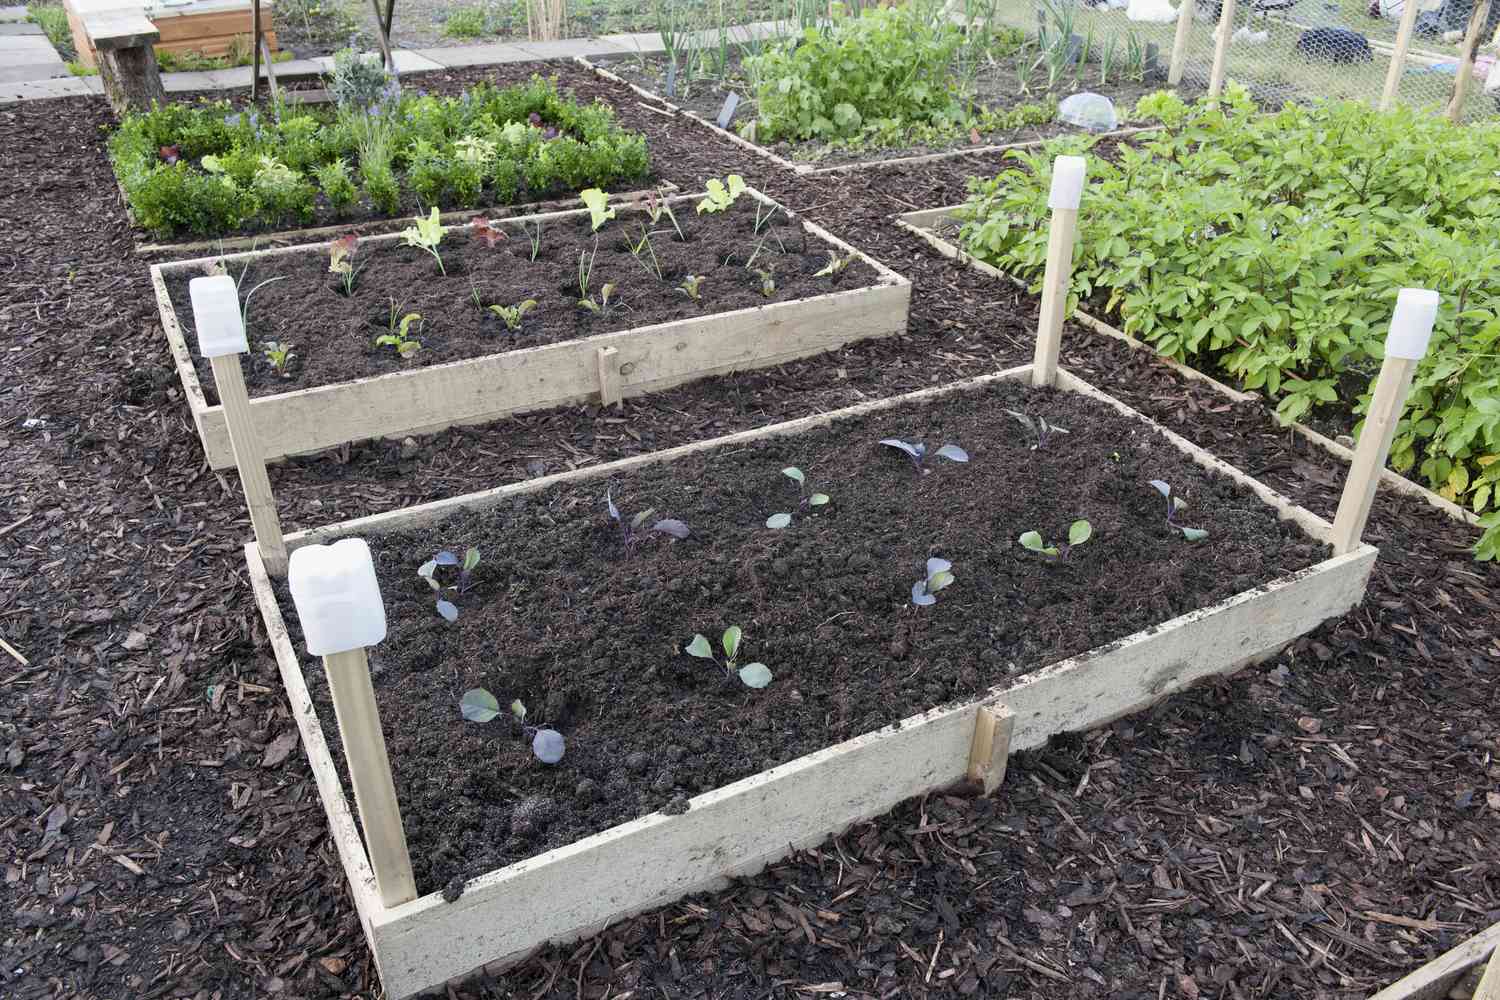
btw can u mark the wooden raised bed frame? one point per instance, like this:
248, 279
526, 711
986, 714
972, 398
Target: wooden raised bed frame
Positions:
925, 225
738, 829
606, 366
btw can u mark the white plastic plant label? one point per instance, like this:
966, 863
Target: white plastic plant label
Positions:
216, 314
1411, 323
1068, 175
337, 596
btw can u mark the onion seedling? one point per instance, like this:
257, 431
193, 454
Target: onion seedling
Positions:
917, 452
1174, 504
643, 246
446, 560
1079, 532
630, 528
939, 575
835, 267
808, 500
754, 675
547, 745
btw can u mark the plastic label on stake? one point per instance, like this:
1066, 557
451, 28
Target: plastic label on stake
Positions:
726, 113
1068, 175
1411, 323
337, 596
216, 315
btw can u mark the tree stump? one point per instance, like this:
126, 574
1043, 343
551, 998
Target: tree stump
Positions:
127, 64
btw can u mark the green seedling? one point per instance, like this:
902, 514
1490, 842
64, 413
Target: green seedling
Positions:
721, 194
603, 306
400, 334
656, 205
547, 745
754, 675
808, 501
767, 281
1079, 532
426, 235
692, 287
341, 254
598, 205
1174, 504
641, 249
535, 238
444, 563
279, 356
511, 315
939, 575
835, 267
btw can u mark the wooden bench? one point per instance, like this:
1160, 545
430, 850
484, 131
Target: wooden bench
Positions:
127, 65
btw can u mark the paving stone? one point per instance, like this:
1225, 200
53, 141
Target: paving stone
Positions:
8, 14
492, 54
20, 28
40, 90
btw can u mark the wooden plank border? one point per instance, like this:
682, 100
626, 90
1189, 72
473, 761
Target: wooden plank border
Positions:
1433, 980
808, 170
738, 829
926, 225
475, 390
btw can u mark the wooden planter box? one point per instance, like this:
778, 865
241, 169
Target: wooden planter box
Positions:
609, 366
1462, 969
935, 226
207, 27
738, 829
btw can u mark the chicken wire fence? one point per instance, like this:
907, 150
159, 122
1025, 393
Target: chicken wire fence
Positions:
1278, 49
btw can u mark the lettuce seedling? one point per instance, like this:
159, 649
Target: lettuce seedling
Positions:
488, 232
1174, 504
341, 253
1079, 532
279, 356
547, 745
755, 675
1037, 428
917, 452
400, 334
630, 528
939, 575
719, 196
808, 500
426, 235
603, 306
443, 561
511, 315
692, 287
596, 201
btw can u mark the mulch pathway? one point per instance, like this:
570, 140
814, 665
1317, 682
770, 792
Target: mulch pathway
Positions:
1310, 828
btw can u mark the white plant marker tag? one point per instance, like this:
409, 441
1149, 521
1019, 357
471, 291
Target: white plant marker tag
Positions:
726, 113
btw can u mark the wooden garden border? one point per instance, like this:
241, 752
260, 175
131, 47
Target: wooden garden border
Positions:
1434, 980
807, 170
736, 830
608, 366
925, 223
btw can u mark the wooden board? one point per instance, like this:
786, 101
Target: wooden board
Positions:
736, 830
207, 28
1433, 980
925, 224
651, 358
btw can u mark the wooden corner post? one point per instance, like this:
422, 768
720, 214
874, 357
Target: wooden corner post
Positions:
1180, 43
1221, 50
1397, 68
1068, 174
338, 603
1411, 328
1465, 76
221, 339
990, 750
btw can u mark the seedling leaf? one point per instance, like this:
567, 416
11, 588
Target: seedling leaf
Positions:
1194, 534
938, 581
471, 559
548, 745
1079, 532
902, 445
1032, 540
919, 594
609, 502
671, 526
478, 705
936, 566
794, 473
445, 559
778, 520
817, 499
518, 709
700, 648
448, 610
732, 636
1162, 487
755, 675
953, 453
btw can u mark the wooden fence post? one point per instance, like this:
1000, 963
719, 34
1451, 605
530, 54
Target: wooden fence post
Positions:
1068, 174
221, 339
1180, 42
1221, 50
1411, 329
1398, 55
1465, 78
338, 603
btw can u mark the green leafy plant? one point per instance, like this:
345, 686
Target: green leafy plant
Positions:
466, 22
1038, 429
279, 356
719, 195
752, 675
336, 184
597, 203
511, 315
400, 335
602, 306
807, 501
1079, 532
479, 705
939, 575
692, 286
426, 234
341, 261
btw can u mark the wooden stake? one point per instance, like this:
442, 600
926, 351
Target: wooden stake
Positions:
1221, 50
990, 750
1398, 55
1466, 64
370, 773
608, 359
1180, 42
1055, 284
1370, 454
250, 461
1489, 985
255, 50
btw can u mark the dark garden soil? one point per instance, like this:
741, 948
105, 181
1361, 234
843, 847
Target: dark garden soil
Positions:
999, 89
334, 334
1312, 828
590, 636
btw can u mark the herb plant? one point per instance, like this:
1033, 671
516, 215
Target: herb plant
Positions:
547, 745
916, 451
279, 356
753, 675
721, 194
341, 254
631, 528
1079, 532
808, 501
445, 563
426, 234
939, 575
511, 315
1174, 504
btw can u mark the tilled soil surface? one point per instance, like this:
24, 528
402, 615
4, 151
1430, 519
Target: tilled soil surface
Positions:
1312, 828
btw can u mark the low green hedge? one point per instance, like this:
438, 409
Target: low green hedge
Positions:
207, 169
1271, 247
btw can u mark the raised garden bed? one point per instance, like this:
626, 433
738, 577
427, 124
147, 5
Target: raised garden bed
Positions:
591, 637
472, 368
939, 228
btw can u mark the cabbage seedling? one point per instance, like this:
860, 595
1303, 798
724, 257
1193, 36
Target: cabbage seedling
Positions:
279, 355
511, 315
630, 528
1038, 428
426, 235
939, 575
597, 202
341, 253
429, 571
755, 675
808, 500
602, 306
1174, 504
547, 745
917, 452
1079, 532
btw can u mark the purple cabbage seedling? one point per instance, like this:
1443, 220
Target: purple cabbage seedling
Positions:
1038, 428
548, 745
1079, 532
631, 528
917, 452
939, 575
808, 500
445, 559
754, 675
1174, 504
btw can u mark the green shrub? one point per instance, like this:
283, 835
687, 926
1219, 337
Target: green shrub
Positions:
466, 22
336, 185
1272, 247
53, 20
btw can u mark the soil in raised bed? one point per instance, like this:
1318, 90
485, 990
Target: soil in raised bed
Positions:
333, 334
998, 88
590, 636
